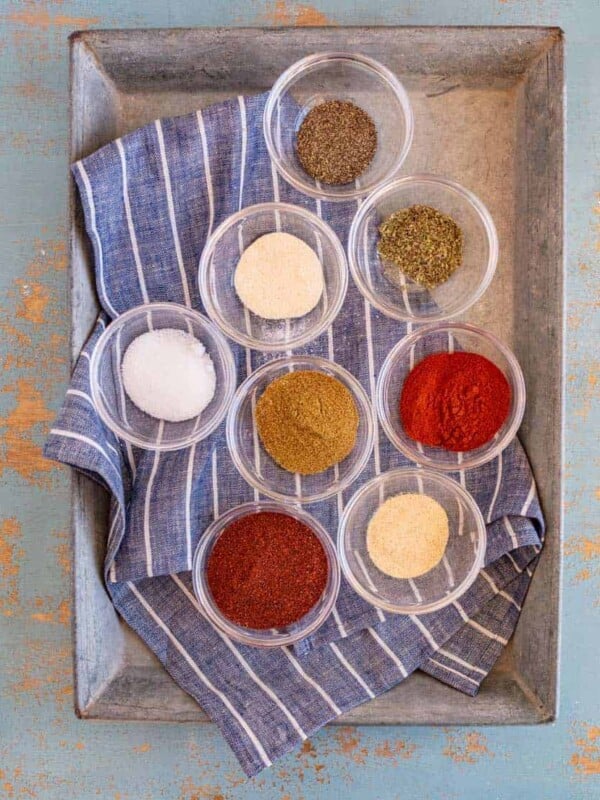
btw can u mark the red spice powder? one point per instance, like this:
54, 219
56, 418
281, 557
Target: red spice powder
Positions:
458, 401
267, 570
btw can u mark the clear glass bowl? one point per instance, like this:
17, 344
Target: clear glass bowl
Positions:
338, 76
274, 637
462, 561
220, 258
402, 298
115, 408
445, 338
258, 468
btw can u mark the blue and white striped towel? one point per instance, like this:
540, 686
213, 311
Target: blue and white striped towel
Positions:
150, 200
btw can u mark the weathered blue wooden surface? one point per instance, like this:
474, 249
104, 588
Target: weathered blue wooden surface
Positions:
44, 751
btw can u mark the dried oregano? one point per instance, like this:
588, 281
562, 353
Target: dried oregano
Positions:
423, 243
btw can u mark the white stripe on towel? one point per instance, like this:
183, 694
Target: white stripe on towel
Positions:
132, 234
92, 206
454, 671
371, 363
386, 649
511, 532
462, 662
86, 440
147, 498
424, 631
529, 498
497, 489
123, 402
209, 685
351, 670
188, 504
244, 128
317, 687
242, 661
486, 632
171, 207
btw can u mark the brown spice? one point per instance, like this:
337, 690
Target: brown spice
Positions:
336, 142
307, 421
424, 244
267, 570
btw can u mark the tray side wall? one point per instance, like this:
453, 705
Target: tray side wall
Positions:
116, 676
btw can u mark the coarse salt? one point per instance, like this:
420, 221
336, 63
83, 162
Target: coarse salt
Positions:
168, 374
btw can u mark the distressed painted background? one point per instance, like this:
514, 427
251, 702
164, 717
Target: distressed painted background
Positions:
44, 751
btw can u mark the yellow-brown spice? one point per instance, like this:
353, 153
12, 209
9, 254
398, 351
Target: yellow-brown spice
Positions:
307, 421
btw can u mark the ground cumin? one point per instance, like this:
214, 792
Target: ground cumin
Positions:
307, 421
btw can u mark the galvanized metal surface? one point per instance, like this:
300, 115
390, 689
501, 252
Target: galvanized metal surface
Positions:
44, 750
488, 112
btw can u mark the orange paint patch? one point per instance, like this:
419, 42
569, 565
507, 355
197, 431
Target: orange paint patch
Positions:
586, 548
467, 748
586, 761
398, 750
18, 450
142, 748
63, 555
10, 556
349, 745
42, 673
41, 18
281, 12
190, 791
34, 299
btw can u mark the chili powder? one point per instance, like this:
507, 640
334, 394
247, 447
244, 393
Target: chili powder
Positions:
267, 570
458, 401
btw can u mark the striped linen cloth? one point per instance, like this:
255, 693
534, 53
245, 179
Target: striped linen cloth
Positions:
150, 200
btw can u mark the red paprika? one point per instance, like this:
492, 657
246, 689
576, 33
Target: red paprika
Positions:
267, 570
458, 401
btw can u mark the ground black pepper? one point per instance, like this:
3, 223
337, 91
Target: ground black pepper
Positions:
336, 142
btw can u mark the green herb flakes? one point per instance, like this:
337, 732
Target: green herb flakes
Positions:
424, 244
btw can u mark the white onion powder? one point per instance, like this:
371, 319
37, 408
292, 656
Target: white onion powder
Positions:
168, 374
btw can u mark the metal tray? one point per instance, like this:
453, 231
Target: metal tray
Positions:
488, 108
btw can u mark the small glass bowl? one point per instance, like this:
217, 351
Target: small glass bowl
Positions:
258, 468
115, 408
445, 338
338, 76
220, 258
446, 582
273, 637
399, 297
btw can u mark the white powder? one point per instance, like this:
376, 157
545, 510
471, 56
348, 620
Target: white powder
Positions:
168, 374
279, 277
407, 535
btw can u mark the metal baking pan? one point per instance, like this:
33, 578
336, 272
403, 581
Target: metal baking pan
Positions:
488, 106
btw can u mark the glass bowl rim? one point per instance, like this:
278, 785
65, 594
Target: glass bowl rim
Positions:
516, 380
250, 341
290, 75
307, 362
237, 632
422, 608
387, 188
225, 355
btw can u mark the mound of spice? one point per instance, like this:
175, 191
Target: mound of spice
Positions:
458, 401
336, 142
168, 374
422, 243
307, 421
267, 570
279, 277
407, 535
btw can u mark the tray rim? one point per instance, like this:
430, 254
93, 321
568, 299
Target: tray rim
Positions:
96, 707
